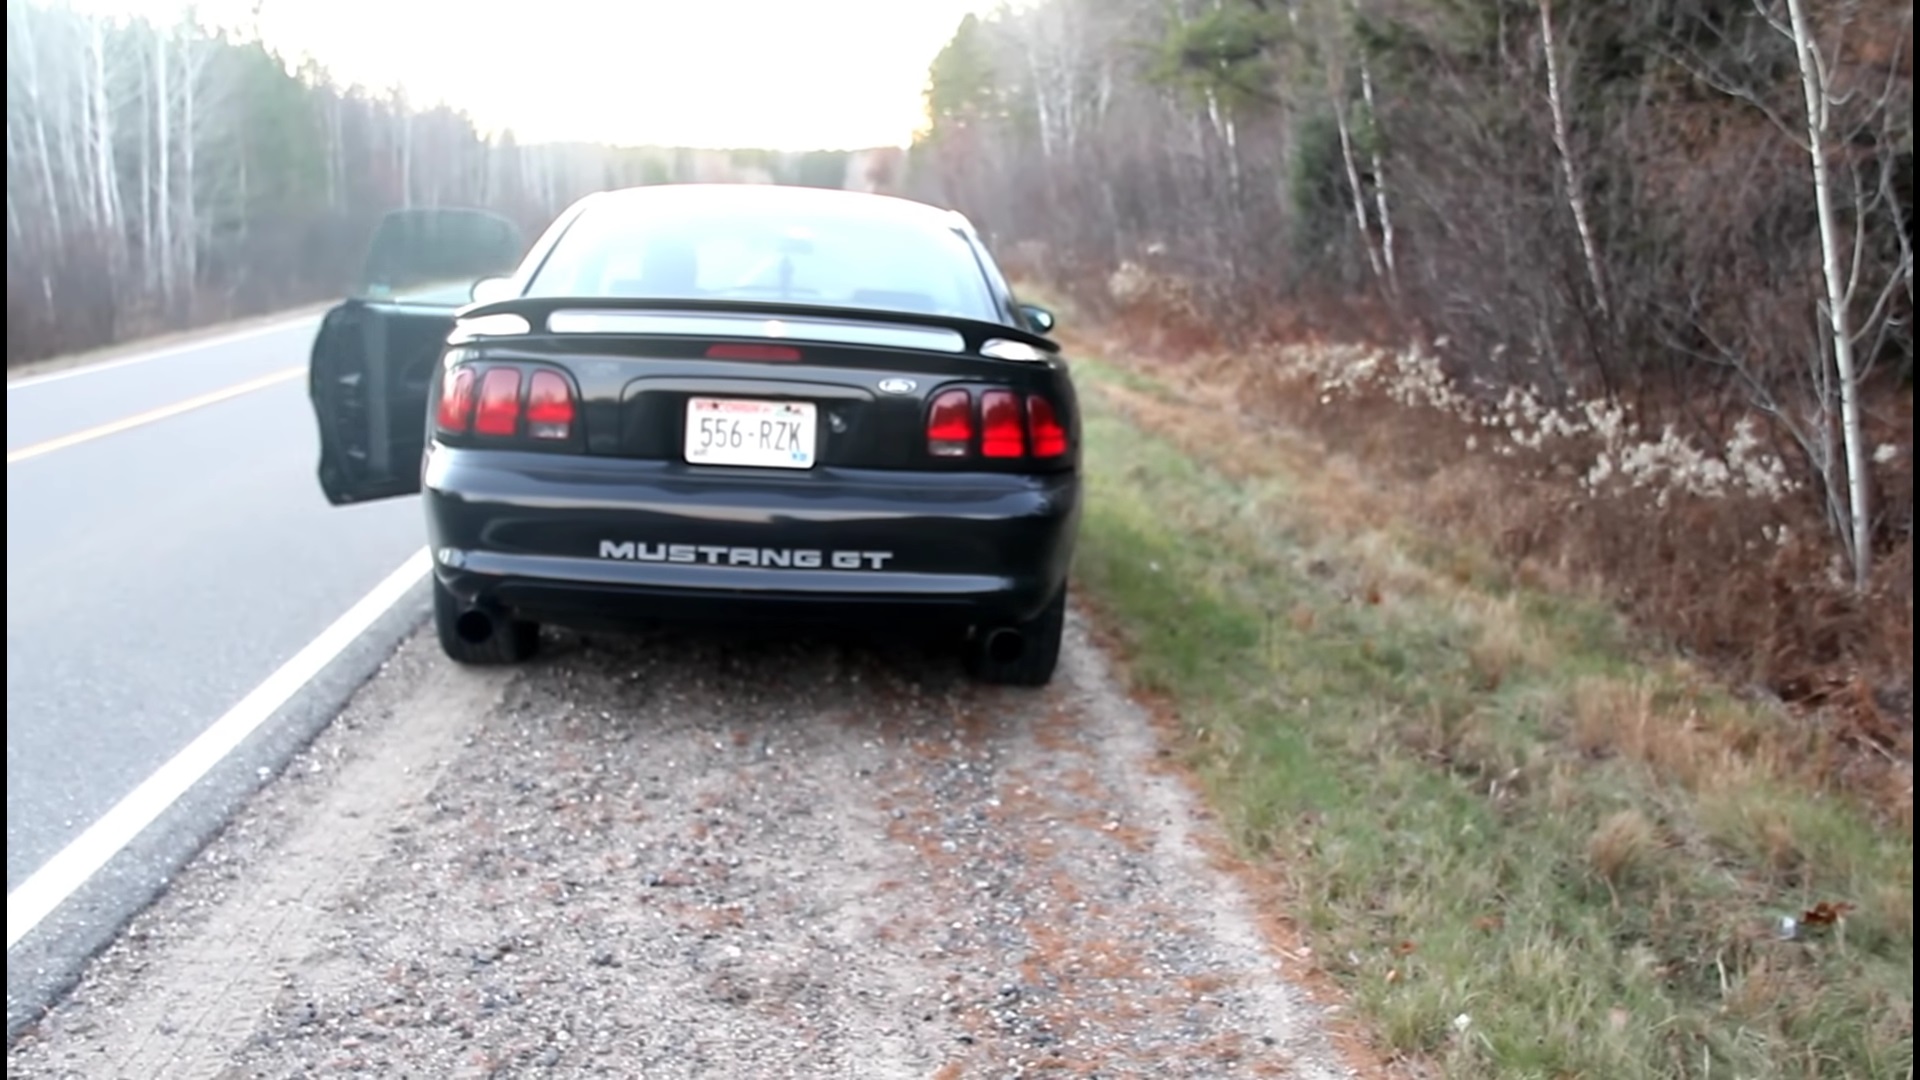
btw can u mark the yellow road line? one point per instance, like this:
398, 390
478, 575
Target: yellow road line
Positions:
151, 415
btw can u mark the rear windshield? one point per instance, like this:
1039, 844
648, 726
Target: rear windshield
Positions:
753, 253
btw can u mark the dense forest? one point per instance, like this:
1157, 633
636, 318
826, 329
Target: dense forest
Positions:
1662, 248
167, 175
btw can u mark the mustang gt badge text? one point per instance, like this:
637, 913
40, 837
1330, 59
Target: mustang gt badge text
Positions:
719, 555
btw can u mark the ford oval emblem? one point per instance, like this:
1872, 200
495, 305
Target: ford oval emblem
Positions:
897, 386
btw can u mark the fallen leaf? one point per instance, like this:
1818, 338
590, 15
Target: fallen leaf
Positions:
1825, 914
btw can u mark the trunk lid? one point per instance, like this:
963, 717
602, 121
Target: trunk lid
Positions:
859, 386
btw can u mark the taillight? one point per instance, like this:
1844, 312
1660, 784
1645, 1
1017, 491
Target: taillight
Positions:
499, 412
1007, 431
1049, 435
1002, 432
456, 402
485, 400
549, 406
950, 424
739, 351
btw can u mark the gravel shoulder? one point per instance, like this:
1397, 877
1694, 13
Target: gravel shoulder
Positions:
682, 856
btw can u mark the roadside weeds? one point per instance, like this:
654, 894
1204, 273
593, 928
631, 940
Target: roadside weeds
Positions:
1524, 844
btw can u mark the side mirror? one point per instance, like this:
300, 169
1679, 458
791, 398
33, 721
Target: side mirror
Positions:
1039, 318
489, 289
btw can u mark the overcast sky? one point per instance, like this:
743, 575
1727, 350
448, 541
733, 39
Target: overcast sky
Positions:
780, 74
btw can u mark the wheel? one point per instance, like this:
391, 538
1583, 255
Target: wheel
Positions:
476, 636
1020, 654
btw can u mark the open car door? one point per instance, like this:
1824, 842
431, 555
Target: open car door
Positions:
373, 360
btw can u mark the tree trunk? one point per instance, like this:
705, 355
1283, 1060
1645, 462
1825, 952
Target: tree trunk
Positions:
1379, 178
36, 105
162, 185
1333, 65
148, 270
1569, 165
109, 168
189, 232
1813, 81
1353, 178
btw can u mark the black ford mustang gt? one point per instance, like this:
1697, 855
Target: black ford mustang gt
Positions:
713, 402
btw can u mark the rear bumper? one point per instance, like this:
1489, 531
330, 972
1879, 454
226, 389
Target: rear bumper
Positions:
586, 540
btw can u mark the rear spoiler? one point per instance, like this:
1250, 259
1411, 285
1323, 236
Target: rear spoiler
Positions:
977, 332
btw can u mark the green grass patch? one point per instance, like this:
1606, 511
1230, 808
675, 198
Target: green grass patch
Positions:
1525, 851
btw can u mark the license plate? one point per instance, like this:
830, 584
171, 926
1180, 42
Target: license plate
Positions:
761, 434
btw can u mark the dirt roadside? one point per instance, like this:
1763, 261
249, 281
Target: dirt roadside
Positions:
683, 857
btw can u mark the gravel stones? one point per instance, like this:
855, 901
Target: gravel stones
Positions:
682, 856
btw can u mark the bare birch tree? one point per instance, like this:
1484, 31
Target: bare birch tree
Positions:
1573, 175
1333, 61
1813, 80
1380, 200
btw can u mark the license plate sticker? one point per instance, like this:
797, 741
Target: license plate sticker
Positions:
757, 434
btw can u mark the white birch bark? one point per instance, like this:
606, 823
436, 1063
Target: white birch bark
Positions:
1813, 82
1569, 164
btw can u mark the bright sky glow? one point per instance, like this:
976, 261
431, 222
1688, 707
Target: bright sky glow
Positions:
774, 74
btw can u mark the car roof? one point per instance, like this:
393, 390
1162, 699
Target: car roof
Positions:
779, 198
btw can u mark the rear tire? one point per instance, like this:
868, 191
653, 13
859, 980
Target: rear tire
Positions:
509, 640
1037, 657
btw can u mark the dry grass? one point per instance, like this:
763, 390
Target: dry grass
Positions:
1696, 574
1524, 839
1625, 849
1852, 748
1718, 544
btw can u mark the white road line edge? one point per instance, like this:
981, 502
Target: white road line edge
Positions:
162, 353
50, 886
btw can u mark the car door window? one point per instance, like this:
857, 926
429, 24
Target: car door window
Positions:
434, 255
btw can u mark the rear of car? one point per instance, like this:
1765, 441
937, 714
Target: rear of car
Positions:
753, 403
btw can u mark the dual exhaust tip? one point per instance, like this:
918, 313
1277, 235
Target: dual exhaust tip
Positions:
476, 625
1005, 645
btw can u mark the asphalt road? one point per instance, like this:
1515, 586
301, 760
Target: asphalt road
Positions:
157, 573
